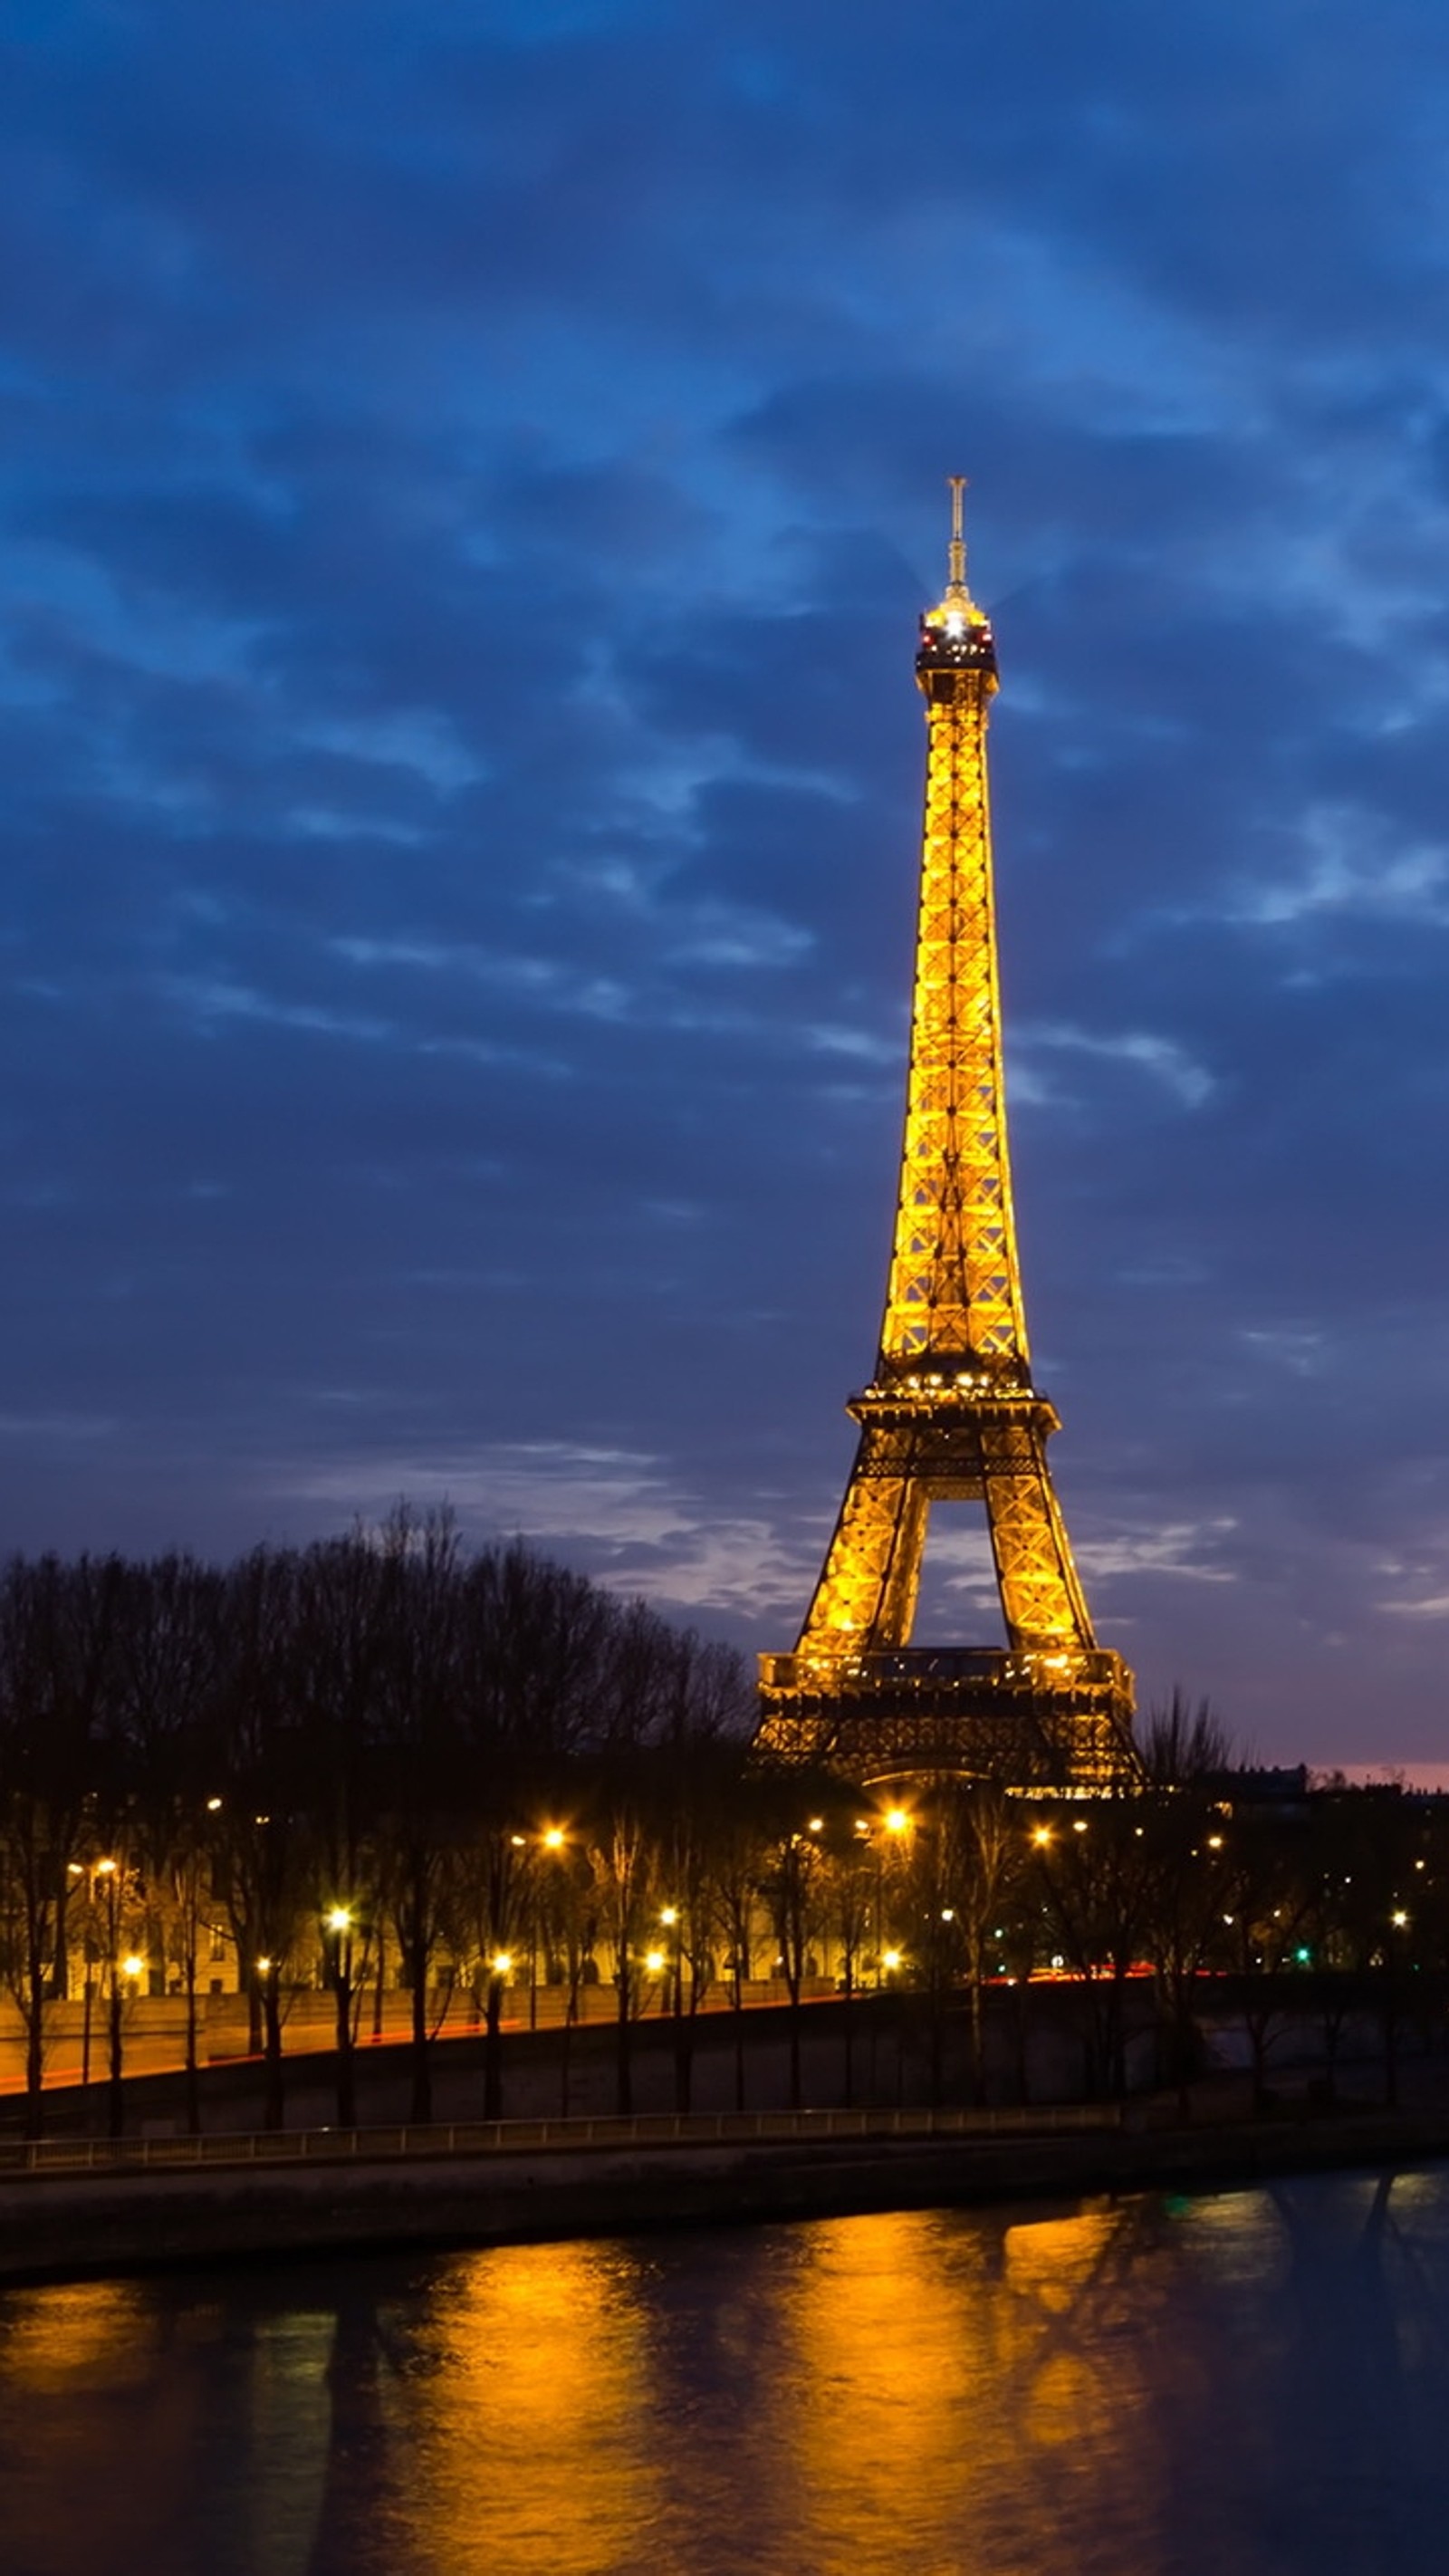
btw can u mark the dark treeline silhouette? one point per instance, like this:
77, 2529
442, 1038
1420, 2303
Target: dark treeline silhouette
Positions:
377, 1744
386, 1762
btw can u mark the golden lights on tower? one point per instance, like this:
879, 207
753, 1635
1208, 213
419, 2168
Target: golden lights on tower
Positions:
951, 1413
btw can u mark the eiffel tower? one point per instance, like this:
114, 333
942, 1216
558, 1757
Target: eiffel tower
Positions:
951, 1413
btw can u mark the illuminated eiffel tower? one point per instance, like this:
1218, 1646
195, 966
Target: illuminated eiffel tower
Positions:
951, 1413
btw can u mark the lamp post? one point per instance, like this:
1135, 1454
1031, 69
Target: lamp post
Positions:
337, 1953
108, 1872
76, 1869
553, 1840
1398, 1923
672, 1920
896, 1823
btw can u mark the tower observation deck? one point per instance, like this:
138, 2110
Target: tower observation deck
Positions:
951, 1413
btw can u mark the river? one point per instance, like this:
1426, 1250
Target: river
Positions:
1254, 2383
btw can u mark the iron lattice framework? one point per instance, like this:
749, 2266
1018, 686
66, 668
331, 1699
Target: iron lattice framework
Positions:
951, 1412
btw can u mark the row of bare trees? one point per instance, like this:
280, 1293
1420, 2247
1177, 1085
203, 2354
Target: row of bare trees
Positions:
333, 1750
1302, 1906
385, 1757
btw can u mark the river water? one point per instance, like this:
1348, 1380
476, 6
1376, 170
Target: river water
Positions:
1253, 2383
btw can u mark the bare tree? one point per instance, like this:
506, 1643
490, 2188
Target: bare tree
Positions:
792, 1883
1093, 1872
55, 1648
982, 1870
423, 1781
261, 1838
167, 1657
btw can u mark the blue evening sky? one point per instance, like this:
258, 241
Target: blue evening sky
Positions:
470, 476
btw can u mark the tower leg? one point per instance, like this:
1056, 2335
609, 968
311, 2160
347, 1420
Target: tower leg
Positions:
866, 1596
1041, 1595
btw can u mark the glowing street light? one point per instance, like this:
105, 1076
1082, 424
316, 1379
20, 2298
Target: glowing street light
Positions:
896, 1820
340, 1919
553, 1838
654, 1961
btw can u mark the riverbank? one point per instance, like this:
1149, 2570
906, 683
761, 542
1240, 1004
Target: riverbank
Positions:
877, 2050
65, 2226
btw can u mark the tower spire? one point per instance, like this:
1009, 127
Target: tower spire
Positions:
956, 578
951, 1413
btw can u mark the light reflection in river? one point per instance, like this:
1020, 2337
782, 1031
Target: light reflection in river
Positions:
527, 2400
1257, 2382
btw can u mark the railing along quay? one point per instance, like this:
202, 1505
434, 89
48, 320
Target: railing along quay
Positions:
40, 2156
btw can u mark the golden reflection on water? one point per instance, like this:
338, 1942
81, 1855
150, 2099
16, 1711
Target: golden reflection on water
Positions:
56, 2338
61, 2351
527, 2415
921, 2394
971, 2385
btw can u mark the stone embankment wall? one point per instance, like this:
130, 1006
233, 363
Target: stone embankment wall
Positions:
54, 2227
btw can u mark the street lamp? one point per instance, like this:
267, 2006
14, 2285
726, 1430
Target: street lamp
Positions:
98, 1869
543, 1913
670, 1917
109, 1870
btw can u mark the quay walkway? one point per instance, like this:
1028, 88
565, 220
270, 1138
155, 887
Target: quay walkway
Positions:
608, 2133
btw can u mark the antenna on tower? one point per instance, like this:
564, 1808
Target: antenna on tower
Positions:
958, 537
